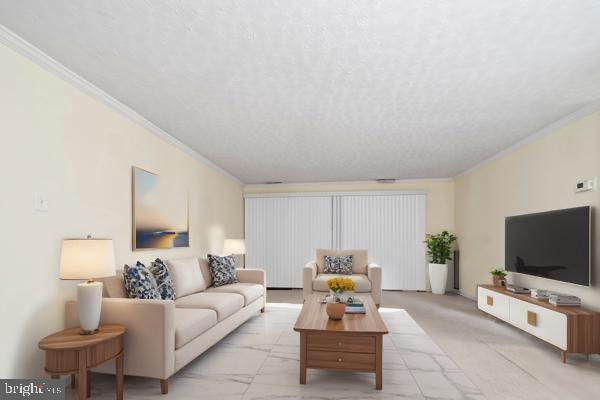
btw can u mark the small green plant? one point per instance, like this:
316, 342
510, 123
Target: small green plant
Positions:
498, 272
439, 246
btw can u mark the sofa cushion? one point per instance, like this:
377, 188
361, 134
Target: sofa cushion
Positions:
163, 279
140, 283
337, 265
190, 323
187, 277
360, 259
222, 270
362, 284
114, 286
205, 269
225, 304
250, 291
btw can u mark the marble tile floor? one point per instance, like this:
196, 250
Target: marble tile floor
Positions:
259, 361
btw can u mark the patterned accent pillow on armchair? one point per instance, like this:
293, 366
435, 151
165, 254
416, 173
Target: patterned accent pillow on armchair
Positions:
163, 278
140, 282
222, 270
337, 265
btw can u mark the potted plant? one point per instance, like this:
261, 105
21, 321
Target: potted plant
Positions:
336, 308
499, 276
438, 249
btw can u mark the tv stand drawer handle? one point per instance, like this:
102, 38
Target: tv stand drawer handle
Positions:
531, 318
490, 301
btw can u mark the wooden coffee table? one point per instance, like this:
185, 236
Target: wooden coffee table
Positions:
354, 343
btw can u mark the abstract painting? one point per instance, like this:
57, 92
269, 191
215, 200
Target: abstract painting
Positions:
160, 212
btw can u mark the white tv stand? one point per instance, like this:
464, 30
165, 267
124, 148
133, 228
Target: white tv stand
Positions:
571, 329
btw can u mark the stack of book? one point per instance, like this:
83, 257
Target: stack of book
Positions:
557, 299
540, 294
355, 308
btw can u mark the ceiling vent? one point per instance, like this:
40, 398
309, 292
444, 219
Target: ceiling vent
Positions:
385, 180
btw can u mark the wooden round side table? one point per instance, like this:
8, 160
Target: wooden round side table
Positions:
69, 353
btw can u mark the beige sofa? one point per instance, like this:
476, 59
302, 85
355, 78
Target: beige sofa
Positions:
165, 335
366, 277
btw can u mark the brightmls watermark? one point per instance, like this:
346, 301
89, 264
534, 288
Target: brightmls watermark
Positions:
35, 389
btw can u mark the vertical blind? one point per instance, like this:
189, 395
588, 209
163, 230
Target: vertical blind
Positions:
283, 231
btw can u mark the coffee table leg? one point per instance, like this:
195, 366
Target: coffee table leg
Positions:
119, 376
82, 366
379, 362
302, 358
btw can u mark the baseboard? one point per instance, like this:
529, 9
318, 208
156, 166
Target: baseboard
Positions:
467, 296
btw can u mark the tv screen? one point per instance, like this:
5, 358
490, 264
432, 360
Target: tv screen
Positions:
553, 245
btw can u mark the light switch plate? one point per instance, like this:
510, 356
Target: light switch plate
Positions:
40, 201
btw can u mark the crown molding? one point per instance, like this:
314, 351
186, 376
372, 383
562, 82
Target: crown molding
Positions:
545, 131
26, 49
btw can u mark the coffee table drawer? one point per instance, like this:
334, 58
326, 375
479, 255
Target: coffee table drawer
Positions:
355, 344
340, 360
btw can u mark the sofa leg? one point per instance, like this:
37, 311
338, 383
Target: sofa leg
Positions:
377, 305
164, 386
262, 310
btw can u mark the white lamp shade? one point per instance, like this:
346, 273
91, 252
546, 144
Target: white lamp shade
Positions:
87, 258
234, 246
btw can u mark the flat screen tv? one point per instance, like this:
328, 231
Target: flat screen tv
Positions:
553, 245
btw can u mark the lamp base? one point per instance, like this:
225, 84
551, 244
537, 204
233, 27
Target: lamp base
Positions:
89, 303
82, 332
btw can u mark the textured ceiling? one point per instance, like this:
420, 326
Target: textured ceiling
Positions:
331, 90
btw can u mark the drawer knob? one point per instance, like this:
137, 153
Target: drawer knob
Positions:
339, 344
339, 360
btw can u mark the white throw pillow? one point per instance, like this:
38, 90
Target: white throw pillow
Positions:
187, 276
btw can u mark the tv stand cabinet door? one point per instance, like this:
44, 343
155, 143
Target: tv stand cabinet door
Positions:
548, 325
493, 303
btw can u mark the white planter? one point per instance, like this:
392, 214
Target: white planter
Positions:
438, 274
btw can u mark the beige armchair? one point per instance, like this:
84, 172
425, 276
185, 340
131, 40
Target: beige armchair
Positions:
366, 277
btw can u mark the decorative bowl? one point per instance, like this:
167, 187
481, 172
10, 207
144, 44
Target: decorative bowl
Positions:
335, 310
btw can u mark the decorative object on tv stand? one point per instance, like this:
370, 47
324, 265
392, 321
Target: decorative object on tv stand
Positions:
335, 307
235, 247
87, 259
439, 249
160, 212
499, 277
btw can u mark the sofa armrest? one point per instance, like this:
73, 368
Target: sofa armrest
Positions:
374, 275
252, 275
309, 272
149, 343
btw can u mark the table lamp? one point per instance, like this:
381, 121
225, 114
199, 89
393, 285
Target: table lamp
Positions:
86, 259
235, 247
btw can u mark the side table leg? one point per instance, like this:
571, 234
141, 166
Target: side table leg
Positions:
82, 372
302, 358
379, 362
119, 376
88, 383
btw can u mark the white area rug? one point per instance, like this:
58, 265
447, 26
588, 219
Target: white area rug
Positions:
259, 361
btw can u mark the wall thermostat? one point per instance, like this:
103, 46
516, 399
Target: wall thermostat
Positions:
584, 186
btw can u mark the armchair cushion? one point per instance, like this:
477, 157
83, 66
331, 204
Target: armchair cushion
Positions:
360, 259
250, 291
361, 282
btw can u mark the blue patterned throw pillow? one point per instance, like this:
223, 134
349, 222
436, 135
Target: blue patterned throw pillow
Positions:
337, 265
164, 283
222, 270
140, 282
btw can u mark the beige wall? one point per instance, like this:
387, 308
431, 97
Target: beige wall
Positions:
537, 177
60, 141
440, 195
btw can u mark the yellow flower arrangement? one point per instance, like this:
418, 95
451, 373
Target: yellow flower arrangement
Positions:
340, 285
